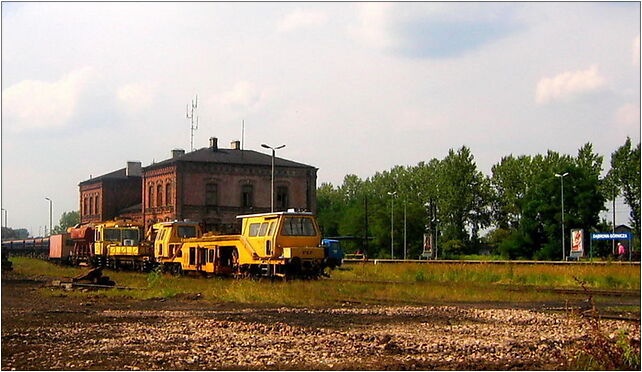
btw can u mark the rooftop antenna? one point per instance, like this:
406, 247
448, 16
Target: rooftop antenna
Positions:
193, 124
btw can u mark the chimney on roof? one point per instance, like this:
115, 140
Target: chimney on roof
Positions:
177, 152
235, 145
134, 169
213, 143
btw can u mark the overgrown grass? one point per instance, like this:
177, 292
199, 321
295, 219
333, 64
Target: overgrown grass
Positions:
596, 276
422, 284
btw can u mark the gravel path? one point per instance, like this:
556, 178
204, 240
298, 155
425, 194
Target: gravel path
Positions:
67, 333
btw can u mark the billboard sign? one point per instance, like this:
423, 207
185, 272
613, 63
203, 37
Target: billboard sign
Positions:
577, 241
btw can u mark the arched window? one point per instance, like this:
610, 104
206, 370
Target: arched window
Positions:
150, 196
159, 195
96, 204
85, 206
91, 205
168, 194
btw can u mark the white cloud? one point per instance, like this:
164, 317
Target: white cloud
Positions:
243, 94
636, 51
301, 19
36, 104
568, 84
136, 96
628, 115
374, 25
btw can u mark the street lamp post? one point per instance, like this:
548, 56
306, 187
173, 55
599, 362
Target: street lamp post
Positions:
392, 224
561, 176
50, 214
405, 246
272, 183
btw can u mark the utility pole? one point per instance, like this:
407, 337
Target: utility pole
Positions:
365, 235
392, 224
613, 227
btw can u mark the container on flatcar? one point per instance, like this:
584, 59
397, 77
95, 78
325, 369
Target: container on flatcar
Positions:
60, 246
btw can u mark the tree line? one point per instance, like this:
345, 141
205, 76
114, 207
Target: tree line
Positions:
515, 212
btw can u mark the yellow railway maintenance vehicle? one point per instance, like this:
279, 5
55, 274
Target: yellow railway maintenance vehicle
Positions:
114, 244
279, 244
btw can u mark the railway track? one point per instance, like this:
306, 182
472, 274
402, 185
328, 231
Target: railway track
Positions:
480, 262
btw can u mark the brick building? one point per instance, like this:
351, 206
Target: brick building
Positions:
213, 185
103, 198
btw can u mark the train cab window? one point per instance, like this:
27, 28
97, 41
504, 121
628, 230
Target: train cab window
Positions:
212, 251
254, 229
130, 234
263, 229
271, 229
298, 226
186, 231
112, 235
179, 253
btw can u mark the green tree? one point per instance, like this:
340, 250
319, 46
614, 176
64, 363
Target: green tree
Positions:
9, 233
464, 195
67, 219
625, 177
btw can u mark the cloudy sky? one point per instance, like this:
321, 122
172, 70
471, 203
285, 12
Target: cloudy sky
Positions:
348, 87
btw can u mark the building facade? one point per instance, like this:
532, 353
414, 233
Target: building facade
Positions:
214, 185
103, 198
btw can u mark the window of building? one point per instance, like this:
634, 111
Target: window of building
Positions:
282, 198
168, 194
85, 207
247, 197
91, 205
96, 204
150, 196
159, 195
211, 194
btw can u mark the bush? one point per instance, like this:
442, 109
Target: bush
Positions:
453, 248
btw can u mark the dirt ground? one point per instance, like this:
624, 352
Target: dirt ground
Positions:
41, 332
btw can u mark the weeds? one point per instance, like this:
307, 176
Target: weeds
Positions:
599, 351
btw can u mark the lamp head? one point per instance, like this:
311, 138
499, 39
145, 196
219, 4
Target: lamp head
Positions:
266, 146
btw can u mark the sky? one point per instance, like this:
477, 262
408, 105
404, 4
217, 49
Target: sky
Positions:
350, 88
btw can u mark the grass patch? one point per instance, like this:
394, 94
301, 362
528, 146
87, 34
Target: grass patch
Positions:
420, 284
602, 277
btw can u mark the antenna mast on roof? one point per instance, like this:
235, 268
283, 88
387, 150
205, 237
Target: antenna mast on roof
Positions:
193, 125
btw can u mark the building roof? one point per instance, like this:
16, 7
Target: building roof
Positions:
229, 156
115, 175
